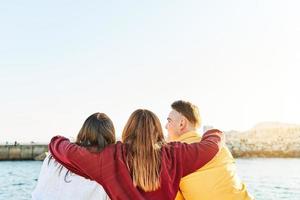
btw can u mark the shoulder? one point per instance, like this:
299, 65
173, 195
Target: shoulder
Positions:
171, 148
112, 150
113, 147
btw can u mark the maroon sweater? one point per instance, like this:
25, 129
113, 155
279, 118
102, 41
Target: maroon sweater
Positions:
109, 168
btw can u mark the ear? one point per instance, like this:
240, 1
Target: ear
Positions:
182, 123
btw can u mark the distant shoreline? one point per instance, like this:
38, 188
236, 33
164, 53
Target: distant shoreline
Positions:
266, 140
265, 154
37, 152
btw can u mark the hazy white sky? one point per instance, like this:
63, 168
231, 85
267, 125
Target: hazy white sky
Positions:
64, 60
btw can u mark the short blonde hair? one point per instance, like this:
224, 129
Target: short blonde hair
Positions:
189, 110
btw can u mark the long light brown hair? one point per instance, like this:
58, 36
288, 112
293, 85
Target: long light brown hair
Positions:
143, 137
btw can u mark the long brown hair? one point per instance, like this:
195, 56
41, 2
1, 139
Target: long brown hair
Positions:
143, 137
96, 133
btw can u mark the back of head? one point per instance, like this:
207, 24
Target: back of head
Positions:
189, 111
96, 132
143, 137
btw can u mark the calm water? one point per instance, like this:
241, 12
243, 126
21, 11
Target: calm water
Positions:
266, 178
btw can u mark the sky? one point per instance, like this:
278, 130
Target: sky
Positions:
61, 61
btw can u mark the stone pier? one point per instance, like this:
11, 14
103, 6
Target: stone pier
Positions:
23, 152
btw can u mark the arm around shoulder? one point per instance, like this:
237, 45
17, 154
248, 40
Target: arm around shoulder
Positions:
196, 155
75, 158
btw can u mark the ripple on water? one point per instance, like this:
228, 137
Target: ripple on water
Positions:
271, 178
16, 179
266, 179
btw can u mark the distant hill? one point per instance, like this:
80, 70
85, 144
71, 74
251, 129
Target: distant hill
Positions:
274, 125
267, 139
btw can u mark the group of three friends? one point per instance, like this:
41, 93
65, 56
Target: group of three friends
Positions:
143, 165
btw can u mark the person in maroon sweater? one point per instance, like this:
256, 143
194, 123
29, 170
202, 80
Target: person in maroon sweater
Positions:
144, 166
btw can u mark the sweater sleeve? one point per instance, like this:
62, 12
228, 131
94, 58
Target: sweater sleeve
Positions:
196, 155
75, 158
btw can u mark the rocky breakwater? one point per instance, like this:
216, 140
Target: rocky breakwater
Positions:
266, 140
23, 152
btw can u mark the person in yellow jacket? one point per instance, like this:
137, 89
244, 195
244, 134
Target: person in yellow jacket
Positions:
217, 180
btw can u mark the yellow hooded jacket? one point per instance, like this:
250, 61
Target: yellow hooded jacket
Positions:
217, 180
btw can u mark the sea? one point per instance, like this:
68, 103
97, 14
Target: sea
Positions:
265, 178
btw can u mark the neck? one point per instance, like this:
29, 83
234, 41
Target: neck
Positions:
188, 129
184, 131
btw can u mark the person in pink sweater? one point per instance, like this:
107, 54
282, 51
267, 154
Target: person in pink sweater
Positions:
143, 165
